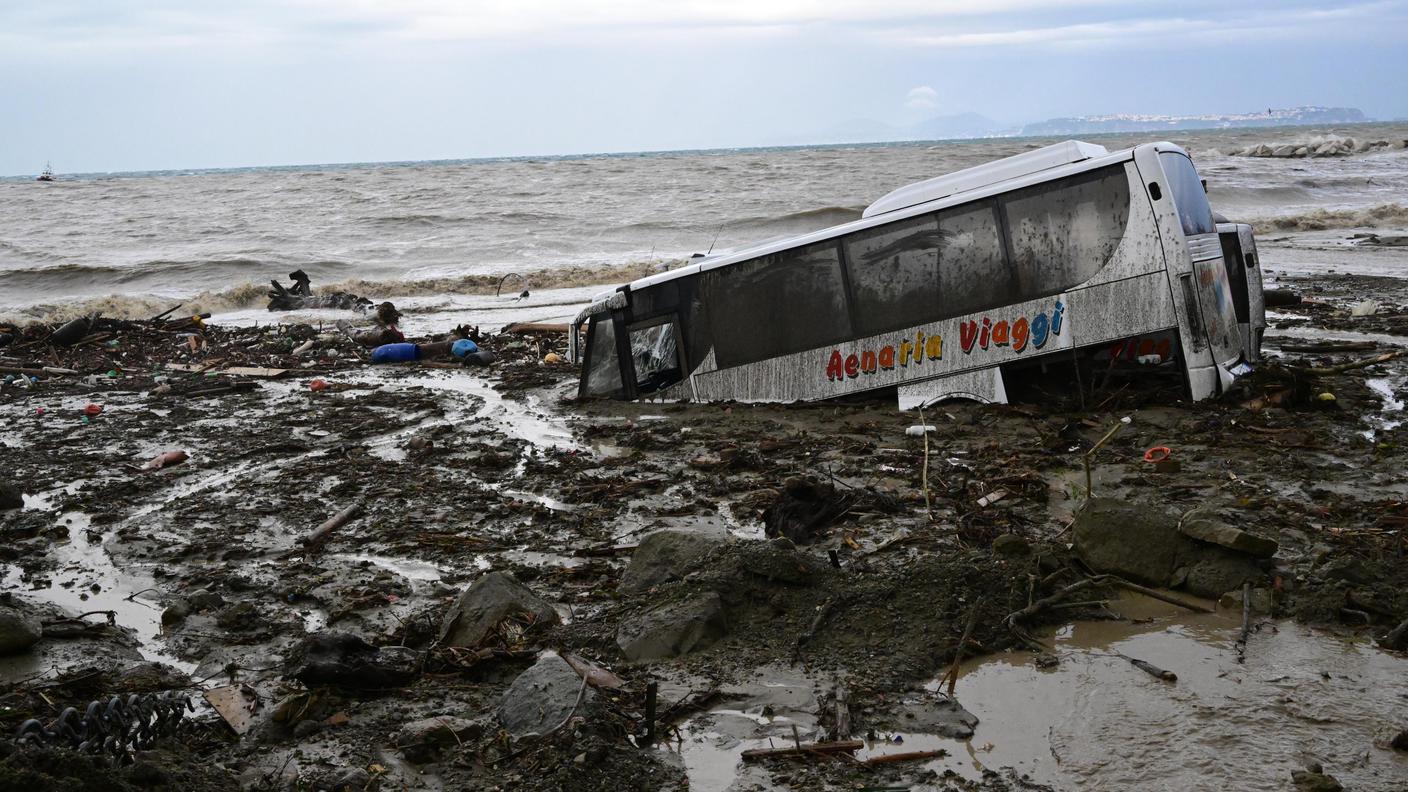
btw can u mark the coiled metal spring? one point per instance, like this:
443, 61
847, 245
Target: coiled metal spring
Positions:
115, 727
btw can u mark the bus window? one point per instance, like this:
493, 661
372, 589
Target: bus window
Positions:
603, 377
1188, 196
655, 355
894, 271
974, 276
1062, 233
776, 305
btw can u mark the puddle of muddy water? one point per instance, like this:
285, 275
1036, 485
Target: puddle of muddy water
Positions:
1097, 722
81, 564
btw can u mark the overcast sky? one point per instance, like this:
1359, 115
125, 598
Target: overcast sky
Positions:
108, 85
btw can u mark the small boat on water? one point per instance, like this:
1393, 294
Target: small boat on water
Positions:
47, 175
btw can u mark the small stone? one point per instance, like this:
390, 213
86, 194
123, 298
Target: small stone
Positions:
1400, 741
10, 496
339, 719
1011, 546
204, 599
542, 698
307, 728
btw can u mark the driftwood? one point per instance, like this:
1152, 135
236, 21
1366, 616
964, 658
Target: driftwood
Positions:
803, 749
536, 328
1358, 364
1151, 669
1397, 638
1322, 348
1246, 622
318, 537
952, 675
842, 728
909, 756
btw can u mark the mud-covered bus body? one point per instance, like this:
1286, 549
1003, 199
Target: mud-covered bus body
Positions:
936, 289
1244, 275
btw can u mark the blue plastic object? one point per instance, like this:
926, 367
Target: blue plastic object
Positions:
463, 347
395, 353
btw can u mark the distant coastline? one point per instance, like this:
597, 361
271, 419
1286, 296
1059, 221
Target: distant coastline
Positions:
967, 127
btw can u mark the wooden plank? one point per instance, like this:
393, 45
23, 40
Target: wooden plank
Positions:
235, 705
254, 371
805, 749
536, 328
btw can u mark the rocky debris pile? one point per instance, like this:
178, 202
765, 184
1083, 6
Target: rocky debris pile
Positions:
495, 607
1329, 146
349, 661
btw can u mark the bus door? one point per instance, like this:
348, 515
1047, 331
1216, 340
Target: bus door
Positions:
1209, 336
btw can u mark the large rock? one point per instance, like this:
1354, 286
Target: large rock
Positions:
673, 629
19, 627
1138, 542
667, 555
542, 697
1214, 531
492, 598
10, 496
331, 658
1213, 571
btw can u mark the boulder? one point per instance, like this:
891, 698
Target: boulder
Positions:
19, 627
423, 740
1214, 531
1314, 779
666, 555
493, 598
330, 658
673, 628
1138, 542
10, 496
542, 698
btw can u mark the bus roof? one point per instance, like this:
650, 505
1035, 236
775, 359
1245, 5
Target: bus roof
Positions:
1010, 173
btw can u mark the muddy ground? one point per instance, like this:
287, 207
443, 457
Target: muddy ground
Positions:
195, 575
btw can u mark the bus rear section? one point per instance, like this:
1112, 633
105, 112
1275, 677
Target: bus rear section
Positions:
1047, 256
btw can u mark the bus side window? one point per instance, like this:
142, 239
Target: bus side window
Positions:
894, 273
655, 356
974, 274
778, 304
1061, 234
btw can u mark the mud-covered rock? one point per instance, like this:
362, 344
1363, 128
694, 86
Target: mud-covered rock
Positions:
19, 627
484, 605
423, 740
1212, 571
348, 661
938, 714
667, 555
1011, 546
10, 496
1136, 541
673, 628
542, 697
1214, 531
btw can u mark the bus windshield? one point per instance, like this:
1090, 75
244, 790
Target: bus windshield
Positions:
1188, 195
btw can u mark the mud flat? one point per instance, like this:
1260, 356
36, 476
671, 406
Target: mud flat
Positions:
523, 569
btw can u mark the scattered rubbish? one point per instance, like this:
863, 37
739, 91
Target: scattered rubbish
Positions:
396, 353
992, 497
1365, 308
315, 540
72, 332
1158, 454
300, 296
166, 459
236, 704
93, 410
919, 430
330, 658
553, 357
463, 347
318, 385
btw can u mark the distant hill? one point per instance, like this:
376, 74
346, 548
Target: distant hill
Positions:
1085, 125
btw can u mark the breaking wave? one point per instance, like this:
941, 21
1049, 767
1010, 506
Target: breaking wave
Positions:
255, 295
807, 220
1382, 216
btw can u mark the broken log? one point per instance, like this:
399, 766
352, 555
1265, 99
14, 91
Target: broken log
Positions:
1159, 595
315, 540
805, 749
1246, 622
952, 675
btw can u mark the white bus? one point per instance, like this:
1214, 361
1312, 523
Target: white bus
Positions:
937, 289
